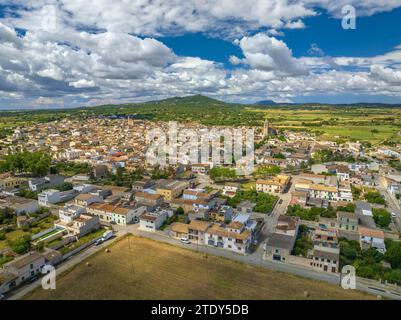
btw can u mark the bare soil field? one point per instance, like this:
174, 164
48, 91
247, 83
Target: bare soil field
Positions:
138, 268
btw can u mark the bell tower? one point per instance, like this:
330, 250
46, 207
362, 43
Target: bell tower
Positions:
265, 128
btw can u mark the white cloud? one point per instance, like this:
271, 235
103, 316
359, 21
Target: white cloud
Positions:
269, 54
387, 75
59, 59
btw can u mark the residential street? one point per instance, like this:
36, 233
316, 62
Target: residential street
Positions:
254, 259
69, 263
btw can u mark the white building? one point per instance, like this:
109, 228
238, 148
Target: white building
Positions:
22, 269
372, 238
70, 212
49, 197
18, 204
230, 189
80, 225
52, 196
234, 237
152, 221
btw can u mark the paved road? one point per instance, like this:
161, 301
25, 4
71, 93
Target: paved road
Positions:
21, 292
254, 259
392, 204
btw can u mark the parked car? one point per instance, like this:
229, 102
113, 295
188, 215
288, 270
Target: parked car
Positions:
33, 279
393, 215
107, 235
185, 241
2, 296
99, 242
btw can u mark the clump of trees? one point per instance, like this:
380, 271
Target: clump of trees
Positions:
266, 171
36, 163
264, 202
374, 197
382, 217
71, 168
311, 214
21, 245
322, 156
7, 216
221, 173
369, 263
303, 242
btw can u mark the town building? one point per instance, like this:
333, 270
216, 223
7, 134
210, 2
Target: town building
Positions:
18, 204
372, 238
325, 259
152, 221
276, 184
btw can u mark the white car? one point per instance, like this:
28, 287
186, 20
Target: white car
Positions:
393, 215
2, 296
185, 241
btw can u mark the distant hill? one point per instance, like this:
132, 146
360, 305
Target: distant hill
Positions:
194, 100
266, 103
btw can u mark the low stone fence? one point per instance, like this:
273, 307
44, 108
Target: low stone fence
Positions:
29, 221
42, 233
80, 248
299, 261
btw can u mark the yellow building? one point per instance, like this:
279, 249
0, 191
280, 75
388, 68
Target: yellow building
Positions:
7, 182
171, 189
276, 184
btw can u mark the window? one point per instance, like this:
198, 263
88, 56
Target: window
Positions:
31, 266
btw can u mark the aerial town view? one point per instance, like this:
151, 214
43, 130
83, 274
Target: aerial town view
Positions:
233, 150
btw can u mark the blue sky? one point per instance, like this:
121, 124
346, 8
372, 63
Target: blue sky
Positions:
71, 53
374, 35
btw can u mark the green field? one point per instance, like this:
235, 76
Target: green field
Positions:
338, 122
334, 123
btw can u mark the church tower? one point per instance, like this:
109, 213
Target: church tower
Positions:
265, 131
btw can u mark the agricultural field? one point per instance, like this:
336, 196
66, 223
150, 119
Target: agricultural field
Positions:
138, 268
363, 124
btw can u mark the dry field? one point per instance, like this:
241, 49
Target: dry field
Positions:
138, 268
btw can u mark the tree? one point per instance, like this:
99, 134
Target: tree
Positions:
40, 247
393, 254
21, 245
179, 211
393, 276
374, 197
382, 217
37, 163
266, 171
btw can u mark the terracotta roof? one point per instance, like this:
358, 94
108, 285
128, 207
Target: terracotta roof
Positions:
147, 195
215, 229
374, 233
179, 227
199, 225
235, 225
84, 197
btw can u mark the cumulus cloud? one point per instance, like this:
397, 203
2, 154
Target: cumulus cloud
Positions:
263, 52
87, 51
38, 63
387, 75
